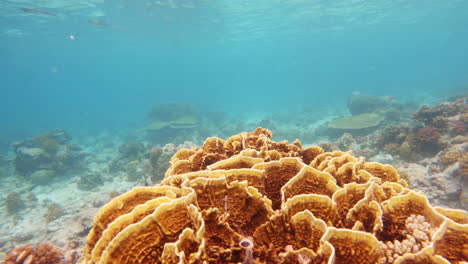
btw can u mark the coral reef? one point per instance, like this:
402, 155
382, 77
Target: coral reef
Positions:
419, 236
168, 121
464, 164
178, 122
431, 129
14, 203
328, 147
39, 254
128, 152
428, 135
54, 211
361, 103
356, 122
155, 154
158, 161
42, 177
358, 125
428, 115
368, 113
90, 180
450, 157
459, 127
361, 146
252, 200
132, 151
362, 124
168, 114
440, 178
439, 171
439, 175
130, 157
436, 129
50, 151
464, 182
142, 163
428, 139
449, 117
345, 142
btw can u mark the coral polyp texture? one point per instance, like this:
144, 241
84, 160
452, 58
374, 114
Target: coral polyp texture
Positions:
39, 254
252, 200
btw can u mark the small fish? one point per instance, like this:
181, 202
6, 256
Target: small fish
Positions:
30, 10
102, 23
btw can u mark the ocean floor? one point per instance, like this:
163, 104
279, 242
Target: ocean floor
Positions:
58, 212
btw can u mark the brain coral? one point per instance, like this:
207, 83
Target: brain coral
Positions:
252, 200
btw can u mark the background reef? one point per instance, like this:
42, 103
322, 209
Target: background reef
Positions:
429, 145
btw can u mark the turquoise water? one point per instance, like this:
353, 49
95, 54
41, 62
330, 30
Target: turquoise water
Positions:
96, 96
239, 56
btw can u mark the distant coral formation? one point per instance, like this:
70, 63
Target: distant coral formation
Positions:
361, 103
44, 156
54, 211
429, 131
358, 125
361, 121
138, 162
128, 152
368, 113
168, 121
253, 200
177, 122
429, 151
14, 203
90, 180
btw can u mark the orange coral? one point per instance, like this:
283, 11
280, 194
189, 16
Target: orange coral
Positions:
450, 157
252, 200
39, 254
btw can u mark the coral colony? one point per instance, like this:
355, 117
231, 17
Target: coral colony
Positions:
253, 200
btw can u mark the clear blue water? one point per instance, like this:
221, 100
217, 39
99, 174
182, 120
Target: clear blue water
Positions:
241, 56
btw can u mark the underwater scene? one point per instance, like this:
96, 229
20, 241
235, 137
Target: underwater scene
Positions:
233, 131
